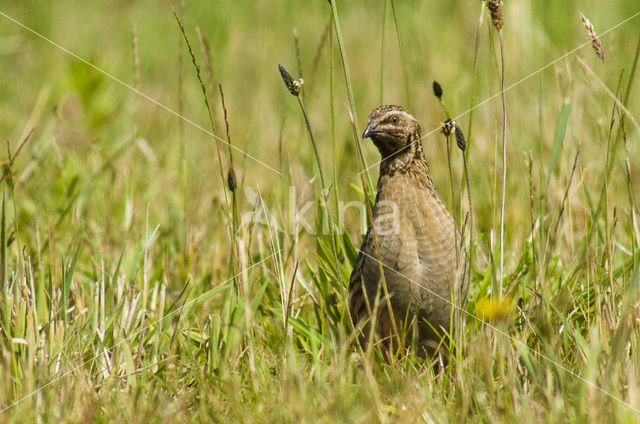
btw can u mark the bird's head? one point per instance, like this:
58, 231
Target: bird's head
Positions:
392, 129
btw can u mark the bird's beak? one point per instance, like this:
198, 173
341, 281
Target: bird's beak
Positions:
368, 132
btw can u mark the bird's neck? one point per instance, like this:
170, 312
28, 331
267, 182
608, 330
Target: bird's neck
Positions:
409, 159
410, 163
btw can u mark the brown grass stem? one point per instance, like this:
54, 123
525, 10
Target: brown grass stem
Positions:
295, 88
206, 63
325, 191
470, 251
232, 185
205, 96
454, 210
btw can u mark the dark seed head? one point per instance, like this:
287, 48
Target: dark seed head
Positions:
460, 141
437, 89
231, 180
497, 15
448, 127
294, 86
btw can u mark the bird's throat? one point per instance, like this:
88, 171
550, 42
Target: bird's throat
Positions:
403, 159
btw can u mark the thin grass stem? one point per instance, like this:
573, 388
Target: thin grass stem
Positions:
504, 161
347, 77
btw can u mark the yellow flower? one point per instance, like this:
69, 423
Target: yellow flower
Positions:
493, 309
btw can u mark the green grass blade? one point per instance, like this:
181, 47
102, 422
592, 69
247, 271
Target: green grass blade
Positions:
558, 139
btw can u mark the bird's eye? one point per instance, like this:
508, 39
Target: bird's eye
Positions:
394, 119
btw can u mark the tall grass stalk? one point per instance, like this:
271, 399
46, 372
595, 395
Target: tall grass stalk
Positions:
206, 62
232, 185
182, 158
472, 104
3, 256
205, 96
347, 78
454, 209
618, 103
497, 18
504, 160
383, 48
8, 179
468, 262
403, 61
332, 114
470, 252
295, 88
136, 77
619, 136
474, 75
325, 190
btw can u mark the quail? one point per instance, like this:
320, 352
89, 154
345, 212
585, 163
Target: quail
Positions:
413, 242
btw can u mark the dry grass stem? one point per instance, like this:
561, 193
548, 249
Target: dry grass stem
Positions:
294, 87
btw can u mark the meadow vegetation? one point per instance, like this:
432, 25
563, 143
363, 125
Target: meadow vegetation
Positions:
143, 280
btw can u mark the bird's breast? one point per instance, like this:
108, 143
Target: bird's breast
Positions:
411, 220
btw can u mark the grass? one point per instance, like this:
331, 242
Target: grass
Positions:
119, 237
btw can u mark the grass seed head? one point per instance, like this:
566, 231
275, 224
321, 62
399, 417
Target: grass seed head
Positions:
294, 86
591, 34
497, 16
231, 180
448, 127
437, 89
460, 140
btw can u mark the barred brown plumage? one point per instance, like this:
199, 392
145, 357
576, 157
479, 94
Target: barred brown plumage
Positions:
413, 236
